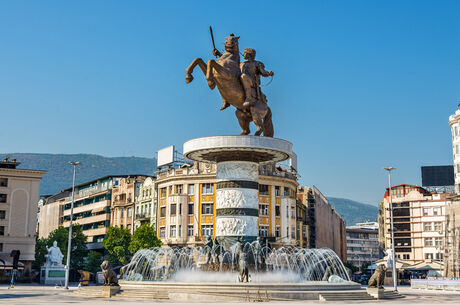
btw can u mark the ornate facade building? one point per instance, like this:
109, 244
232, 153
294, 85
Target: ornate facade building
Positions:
363, 243
123, 197
187, 211
146, 204
454, 122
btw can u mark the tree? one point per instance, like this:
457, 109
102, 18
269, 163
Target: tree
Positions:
364, 267
40, 251
93, 262
117, 245
144, 237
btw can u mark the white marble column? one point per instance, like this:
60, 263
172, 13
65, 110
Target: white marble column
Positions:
237, 200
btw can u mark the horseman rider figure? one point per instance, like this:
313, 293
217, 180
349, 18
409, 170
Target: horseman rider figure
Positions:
251, 70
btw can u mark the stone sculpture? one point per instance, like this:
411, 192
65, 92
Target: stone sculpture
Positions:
54, 256
376, 280
241, 90
110, 277
243, 268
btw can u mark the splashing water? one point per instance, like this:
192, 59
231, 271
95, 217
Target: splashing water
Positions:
206, 264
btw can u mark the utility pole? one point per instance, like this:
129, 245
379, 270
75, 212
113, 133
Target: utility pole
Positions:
395, 275
69, 242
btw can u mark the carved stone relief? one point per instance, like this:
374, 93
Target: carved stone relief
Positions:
236, 226
234, 170
237, 198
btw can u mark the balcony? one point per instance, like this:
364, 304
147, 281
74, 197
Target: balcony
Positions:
142, 216
88, 219
89, 207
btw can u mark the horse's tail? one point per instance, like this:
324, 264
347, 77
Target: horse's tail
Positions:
268, 124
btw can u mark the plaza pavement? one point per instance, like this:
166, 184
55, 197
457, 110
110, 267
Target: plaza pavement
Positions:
36, 294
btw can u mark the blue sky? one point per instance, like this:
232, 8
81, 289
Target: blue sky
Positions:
358, 84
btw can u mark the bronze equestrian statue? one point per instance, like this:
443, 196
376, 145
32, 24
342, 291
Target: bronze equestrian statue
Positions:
242, 90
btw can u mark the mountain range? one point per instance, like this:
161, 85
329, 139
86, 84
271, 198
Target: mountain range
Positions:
60, 172
59, 176
353, 211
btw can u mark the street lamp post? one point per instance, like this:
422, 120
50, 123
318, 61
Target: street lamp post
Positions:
395, 275
69, 242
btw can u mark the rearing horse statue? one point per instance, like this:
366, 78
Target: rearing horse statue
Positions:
225, 74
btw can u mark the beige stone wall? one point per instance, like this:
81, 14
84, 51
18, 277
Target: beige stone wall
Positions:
49, 219
452, 248
20, 208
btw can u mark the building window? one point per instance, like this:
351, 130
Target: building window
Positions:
439, 256
277, 211
162, 232
178, 189
458, 168
122, 212
190, 209
277, 191
170, 189
428, 242
456, 131
436, 211
263, 189
129, 212
2, 230
190, 230
163, 192
162, 211
207, 208
277, 231
206, 230
3, 182
426, 211
428, 255
191, 189
1, 247
2, 198
406, 256
173, 209
286, 192
172, 231
427, 226
263, 209
263, 231
438, 226
180, 230
457, 149
438, 241
2, 214
207, 188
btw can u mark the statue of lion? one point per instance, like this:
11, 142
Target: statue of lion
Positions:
376, 280
110, 277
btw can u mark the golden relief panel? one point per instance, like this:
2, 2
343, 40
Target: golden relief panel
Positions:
278, 200
162, 222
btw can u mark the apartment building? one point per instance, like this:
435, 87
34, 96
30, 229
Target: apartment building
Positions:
146, 203
123, 201
187, 210
323, 227
363, 243
19, 192
92, 208
419, 223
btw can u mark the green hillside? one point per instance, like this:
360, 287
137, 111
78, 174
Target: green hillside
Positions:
354, 211
59, 172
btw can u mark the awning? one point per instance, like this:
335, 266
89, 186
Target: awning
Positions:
425, 266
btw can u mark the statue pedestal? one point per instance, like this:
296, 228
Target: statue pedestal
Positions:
238, 159
109, 291
376, 293
52, 275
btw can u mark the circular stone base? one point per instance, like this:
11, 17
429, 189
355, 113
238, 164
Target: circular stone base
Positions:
238, 148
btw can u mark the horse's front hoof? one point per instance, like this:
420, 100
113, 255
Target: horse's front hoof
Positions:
188, 78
